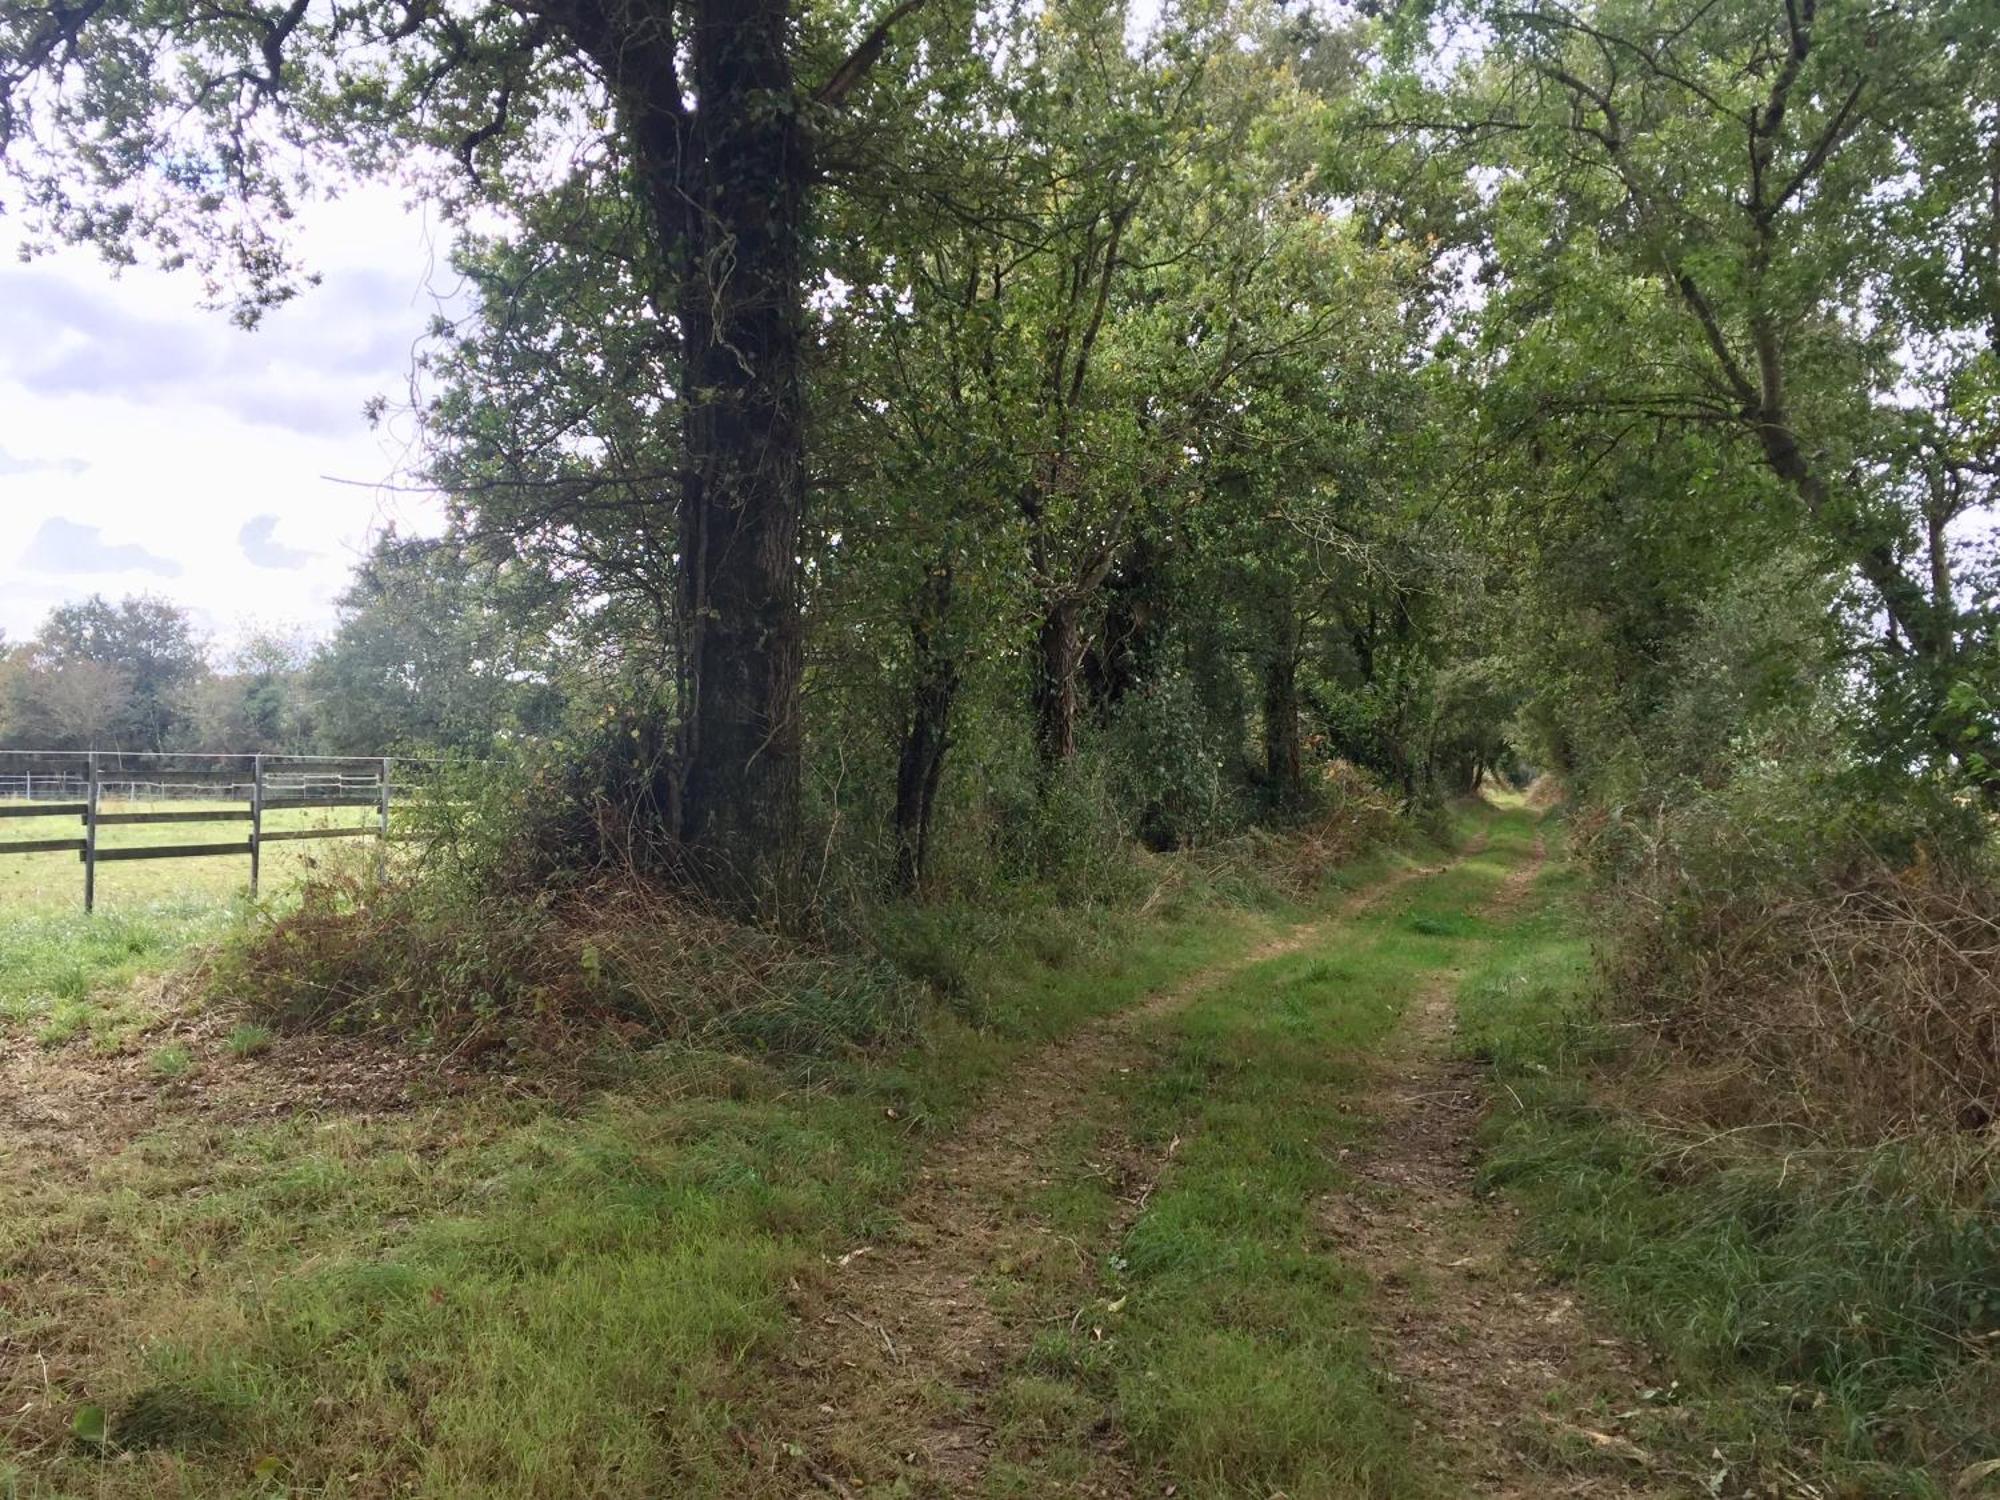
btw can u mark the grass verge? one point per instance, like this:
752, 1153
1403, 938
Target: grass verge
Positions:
1830, 1314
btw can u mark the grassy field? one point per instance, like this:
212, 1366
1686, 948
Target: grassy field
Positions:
62, 973
52, 884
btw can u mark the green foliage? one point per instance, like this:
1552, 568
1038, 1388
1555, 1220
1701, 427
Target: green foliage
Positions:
1063, 829
97, 673
1681, 213
436, 649
262, 700
1172, 777
439, 647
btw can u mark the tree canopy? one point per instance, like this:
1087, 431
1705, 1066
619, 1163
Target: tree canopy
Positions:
887, 425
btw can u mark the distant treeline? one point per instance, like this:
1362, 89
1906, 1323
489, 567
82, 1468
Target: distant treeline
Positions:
418, 658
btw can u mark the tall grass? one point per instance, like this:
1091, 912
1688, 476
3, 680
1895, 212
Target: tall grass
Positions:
1829, 1310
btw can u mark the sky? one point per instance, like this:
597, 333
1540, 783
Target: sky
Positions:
148, 445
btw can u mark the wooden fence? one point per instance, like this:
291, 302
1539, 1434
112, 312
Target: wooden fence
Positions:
64, 784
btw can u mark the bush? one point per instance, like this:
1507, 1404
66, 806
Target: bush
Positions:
1060, 828
1347, 811
415, 955
1813, 940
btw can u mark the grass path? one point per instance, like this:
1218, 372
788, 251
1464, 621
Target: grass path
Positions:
898, 1365
1227, 1243
1507, 1375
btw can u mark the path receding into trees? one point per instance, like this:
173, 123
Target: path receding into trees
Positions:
915, 1356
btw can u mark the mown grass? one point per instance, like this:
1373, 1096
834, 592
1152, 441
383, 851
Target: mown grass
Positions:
1246, 1370
1828, 1315
493, 1297
1223, 1335
63, 976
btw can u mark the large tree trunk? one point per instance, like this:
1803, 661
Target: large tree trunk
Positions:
743, 429
1284, 769
1058, 655
726, 184
926, 736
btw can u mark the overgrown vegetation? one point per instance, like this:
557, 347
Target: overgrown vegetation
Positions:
1819, 1267
481, 932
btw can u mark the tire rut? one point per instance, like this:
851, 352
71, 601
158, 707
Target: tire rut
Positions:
1506, 1378
897, 1363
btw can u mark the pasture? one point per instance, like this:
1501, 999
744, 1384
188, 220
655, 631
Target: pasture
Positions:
35, 885
65, 973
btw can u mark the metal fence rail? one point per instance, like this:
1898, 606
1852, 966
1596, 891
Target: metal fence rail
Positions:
48, 784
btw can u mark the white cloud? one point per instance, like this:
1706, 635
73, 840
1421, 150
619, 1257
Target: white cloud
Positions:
146, 430
61, 545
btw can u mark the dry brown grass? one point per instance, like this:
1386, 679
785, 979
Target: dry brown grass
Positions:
1356, 814
1861, 1012
623, 955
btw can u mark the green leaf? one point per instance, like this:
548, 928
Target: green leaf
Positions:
89, 1425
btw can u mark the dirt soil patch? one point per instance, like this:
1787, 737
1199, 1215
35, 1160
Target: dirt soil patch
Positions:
69, 1102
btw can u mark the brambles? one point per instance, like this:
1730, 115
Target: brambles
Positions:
1863, 1010
407, 956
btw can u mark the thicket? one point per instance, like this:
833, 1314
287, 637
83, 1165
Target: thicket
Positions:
487, 933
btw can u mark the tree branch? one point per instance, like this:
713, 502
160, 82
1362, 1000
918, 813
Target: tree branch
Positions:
1822, 149
1718, 343
835, 90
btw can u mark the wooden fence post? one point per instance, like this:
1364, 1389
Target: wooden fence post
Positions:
382, 841
256, 821
90, 840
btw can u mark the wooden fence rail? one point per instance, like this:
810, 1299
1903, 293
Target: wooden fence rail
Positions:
294, 789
